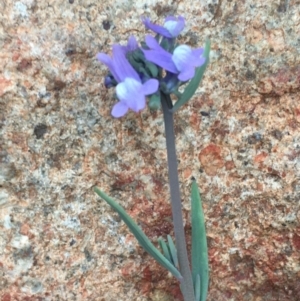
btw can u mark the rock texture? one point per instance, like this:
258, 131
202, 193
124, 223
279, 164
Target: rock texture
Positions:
239, 138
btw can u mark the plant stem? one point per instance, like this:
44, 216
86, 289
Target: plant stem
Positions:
187, 287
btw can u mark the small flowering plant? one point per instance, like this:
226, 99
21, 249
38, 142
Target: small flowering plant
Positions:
155, 70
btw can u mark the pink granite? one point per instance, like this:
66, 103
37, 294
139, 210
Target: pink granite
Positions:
239, 138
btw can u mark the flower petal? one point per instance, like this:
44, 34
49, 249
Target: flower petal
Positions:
158, 55
119, 109
174, 26
152, 43
182, 57
125, 89
156, 28
186, 74
140, 103
161, 58
106, 60
198, 59
121, 66
197, 52
150, 86
132, 44
130, 92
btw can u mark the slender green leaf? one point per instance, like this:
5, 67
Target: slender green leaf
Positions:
165, 249
173, 251
193, 85
199, 244
139, 234
197, 288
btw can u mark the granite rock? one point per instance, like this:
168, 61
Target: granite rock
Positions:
239, 137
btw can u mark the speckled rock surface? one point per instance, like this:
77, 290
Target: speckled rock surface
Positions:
239, 138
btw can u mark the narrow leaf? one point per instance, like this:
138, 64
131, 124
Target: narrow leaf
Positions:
199, 244
197, 288
173, 251
165, 249
193, 85
139, 234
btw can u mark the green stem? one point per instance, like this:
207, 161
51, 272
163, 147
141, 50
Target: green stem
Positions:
187, 287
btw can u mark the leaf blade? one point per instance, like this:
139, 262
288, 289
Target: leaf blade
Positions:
199, 244
165, 248
197, 288
173, 251
139, 235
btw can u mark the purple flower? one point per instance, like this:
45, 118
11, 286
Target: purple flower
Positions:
130, 90
132, 44
171, 29
183, 61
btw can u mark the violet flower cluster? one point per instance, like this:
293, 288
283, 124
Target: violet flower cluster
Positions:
156, 69
158, 65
